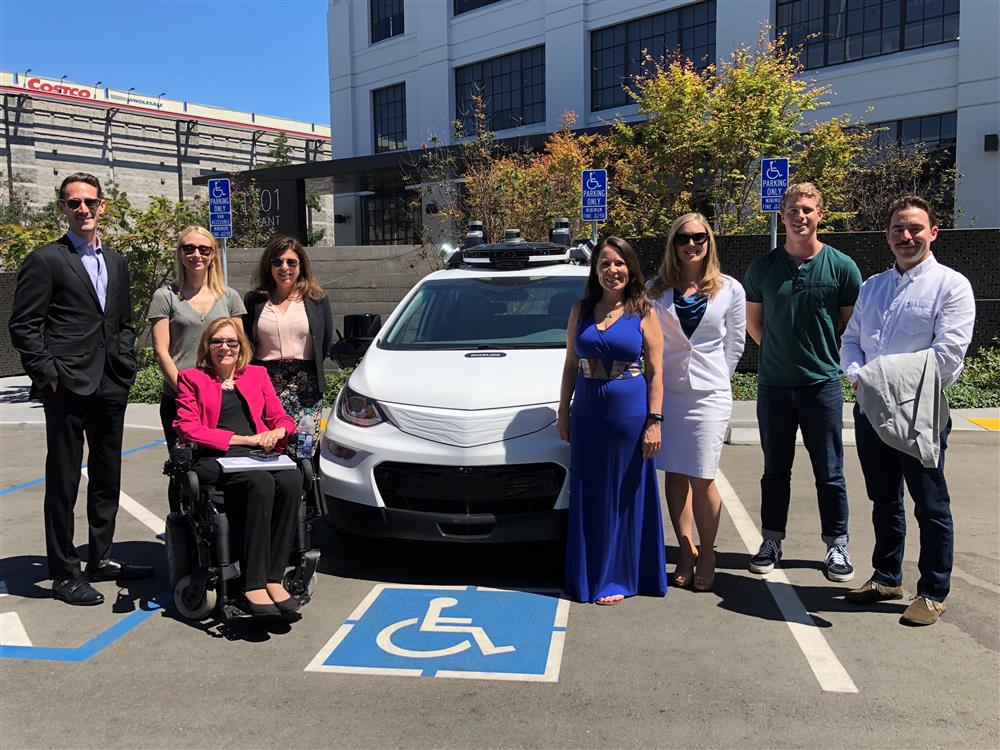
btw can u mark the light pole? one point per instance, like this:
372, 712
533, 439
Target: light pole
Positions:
97, 86
26, 72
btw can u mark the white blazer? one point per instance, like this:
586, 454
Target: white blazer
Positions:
707, 360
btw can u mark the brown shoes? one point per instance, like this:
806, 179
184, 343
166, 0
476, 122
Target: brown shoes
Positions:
873, 591
922, 611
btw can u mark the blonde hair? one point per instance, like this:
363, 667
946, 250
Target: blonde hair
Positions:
204, 360
669, 273
802, 190
215, 281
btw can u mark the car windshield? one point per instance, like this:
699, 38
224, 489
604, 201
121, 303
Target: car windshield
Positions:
512, 312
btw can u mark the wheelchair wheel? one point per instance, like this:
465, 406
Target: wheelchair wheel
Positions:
290, 587
190, 604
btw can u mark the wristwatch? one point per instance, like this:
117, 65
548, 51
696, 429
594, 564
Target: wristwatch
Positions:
654, 416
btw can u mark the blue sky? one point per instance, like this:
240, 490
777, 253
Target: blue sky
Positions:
266, 56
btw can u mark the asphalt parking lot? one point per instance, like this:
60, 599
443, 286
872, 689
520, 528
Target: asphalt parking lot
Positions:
775, 662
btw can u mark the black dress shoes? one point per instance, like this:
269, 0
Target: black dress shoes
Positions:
289, 605
112, 570
261, 610
75, 591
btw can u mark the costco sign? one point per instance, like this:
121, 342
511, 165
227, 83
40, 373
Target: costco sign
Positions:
37, 84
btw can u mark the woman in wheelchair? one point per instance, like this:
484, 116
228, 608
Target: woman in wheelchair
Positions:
227, 407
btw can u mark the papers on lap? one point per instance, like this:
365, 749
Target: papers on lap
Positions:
249, 463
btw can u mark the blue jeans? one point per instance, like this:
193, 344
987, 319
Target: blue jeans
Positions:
818, 411
885, 470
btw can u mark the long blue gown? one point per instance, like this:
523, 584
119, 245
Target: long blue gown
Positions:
615, 532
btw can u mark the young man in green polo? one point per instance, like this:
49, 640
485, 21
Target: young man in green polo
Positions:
799, 299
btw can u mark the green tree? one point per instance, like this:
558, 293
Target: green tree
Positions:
280, 154
706, 131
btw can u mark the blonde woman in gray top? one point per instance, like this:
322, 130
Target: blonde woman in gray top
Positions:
180, 311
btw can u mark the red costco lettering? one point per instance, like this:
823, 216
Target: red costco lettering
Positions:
37, 84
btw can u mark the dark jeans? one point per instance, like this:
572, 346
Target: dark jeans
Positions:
271, 501
885, 470
818, 411
168, 413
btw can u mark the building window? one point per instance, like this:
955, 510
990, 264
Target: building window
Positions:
389, 117
464, 6
391, 218
386, 18
512, 88
838, 31
936, 132
616, 52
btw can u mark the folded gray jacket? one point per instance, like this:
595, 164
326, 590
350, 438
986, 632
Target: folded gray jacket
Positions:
902, 397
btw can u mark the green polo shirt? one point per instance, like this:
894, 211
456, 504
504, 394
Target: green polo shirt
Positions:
802, 304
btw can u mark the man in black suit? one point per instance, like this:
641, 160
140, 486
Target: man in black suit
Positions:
72, 324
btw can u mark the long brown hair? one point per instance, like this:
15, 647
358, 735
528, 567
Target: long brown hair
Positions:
669, 273
263, 281
204, 360
634, 297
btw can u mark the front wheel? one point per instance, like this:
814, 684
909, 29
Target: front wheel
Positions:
192, 603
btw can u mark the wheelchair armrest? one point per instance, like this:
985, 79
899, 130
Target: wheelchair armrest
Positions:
306, 469
193, 485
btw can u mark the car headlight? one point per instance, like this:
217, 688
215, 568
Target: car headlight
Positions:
359, 410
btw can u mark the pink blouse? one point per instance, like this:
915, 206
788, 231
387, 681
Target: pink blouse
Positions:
284, 335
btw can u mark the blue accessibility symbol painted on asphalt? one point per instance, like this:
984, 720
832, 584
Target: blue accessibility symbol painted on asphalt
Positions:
450, 631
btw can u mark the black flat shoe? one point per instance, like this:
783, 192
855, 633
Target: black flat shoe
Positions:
76, 592
261, 610
289, 605
112, 570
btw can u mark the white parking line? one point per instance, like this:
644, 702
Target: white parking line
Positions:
142, 514
12, 632
824, 663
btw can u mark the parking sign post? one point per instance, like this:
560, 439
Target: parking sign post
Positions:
594, 197
220, 216
773, 184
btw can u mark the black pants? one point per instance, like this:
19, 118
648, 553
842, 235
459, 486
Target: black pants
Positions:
271, 502
168, 413
69, 418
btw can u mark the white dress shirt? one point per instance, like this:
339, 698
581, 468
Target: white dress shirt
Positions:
929, 306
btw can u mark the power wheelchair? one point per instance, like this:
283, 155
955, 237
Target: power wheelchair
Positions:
203, 541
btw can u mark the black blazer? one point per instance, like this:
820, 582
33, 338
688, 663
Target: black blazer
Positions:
320, 326
58, 326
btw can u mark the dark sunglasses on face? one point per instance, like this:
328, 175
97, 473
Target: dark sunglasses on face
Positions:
230, 343
290, 262
203, 250
74, 203
698, 238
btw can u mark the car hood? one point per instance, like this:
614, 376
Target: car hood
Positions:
461, 379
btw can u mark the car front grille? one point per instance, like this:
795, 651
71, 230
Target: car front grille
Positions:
470, 490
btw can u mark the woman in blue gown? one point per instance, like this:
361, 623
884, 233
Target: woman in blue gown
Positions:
614, 546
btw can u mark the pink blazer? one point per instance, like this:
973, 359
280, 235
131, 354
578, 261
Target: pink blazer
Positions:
199, 401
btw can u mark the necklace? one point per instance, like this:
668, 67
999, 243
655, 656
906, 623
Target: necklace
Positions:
228, 384
612, 310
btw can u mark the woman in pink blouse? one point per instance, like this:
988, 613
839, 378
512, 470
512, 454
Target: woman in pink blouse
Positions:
289, 325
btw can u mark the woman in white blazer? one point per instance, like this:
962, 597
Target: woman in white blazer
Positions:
703, 316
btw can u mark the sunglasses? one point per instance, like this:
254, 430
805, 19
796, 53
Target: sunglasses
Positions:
74, 203
698, 238
229, 343
290, 262
203, 250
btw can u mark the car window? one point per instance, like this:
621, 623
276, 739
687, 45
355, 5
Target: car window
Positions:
502, 312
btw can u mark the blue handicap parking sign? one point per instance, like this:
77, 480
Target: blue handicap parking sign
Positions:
450, 631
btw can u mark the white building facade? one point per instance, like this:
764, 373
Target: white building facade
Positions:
401, 71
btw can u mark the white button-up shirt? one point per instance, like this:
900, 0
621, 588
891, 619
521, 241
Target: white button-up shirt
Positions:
930, 306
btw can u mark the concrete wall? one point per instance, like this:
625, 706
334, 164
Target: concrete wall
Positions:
43, 140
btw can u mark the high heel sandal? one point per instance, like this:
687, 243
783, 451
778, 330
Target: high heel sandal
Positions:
703, 582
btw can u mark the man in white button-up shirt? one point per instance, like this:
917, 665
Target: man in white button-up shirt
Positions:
916, 305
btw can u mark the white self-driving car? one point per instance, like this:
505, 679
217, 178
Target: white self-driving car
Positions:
446, 430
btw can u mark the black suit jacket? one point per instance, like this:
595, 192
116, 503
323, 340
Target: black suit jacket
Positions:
58, 326
320, 326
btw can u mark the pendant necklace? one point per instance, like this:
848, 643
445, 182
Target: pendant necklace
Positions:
612, 310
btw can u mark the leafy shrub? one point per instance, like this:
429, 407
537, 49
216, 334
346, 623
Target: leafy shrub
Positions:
334, 382
148, 386
745, 386
979, 385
